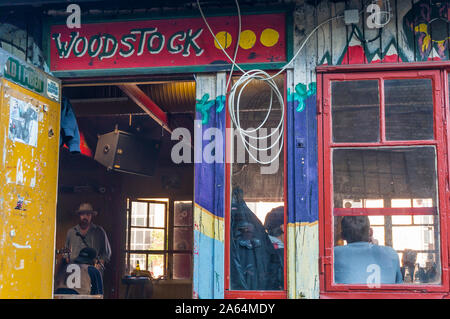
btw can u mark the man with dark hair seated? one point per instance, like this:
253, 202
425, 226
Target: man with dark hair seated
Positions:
274, 224
80, 276
361, 262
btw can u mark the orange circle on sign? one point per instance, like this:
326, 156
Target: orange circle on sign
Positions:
269, 37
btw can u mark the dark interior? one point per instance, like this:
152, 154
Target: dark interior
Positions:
99, 110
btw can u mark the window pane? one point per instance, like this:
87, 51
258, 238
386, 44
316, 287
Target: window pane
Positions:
389, 173
182, 265
147, 239
413, 237
134, 258
371, 234
409, 109
419, 268
183, 213
355, 107
157, 215
256, 238
156, 265
138, 214
182, 238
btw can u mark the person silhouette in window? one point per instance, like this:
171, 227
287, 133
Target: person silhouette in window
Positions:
254, 263
360, 261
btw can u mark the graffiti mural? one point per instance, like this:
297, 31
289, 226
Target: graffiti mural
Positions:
426, 28
300, 94
421, 34
204, 105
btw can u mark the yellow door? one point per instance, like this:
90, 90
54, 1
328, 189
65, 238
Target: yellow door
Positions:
29, 149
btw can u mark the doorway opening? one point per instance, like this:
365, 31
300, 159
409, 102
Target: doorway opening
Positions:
125, 171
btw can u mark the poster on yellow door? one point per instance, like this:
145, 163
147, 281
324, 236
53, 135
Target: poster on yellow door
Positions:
23, 122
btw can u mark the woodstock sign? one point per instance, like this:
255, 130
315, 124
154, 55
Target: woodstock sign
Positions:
166, 43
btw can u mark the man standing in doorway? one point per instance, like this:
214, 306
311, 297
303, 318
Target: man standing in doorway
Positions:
87, 234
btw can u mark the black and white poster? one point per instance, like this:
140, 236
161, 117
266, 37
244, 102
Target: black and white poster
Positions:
23, 122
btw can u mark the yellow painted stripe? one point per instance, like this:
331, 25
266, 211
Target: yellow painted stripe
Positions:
209, 224
301, 224
302, 260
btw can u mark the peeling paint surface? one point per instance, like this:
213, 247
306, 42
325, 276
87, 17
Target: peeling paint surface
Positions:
303, 256
209, 231
29, 186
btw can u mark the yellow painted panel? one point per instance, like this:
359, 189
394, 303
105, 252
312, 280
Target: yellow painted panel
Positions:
29, 149
208, 224
303, 260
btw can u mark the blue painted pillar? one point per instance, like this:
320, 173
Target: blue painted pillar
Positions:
209, 190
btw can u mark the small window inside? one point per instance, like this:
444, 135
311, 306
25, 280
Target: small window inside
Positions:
146, 236
163, 248
182, 240
355, 111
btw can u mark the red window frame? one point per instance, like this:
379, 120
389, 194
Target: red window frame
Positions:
439, 76
252, 294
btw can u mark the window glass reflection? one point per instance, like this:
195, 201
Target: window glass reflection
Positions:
257, 205
409, 109
386, 217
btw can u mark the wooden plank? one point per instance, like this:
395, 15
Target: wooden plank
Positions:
300, 33
339, 33
324, 49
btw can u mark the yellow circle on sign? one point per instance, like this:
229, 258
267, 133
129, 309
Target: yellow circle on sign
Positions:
248, 39
269, 37
224, 39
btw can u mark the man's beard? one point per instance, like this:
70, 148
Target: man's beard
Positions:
84, 224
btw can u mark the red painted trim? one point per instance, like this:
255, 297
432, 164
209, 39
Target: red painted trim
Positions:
382, 67
383, 295
382, 111
384, 211
327, 288
320, 167
228, 156
285, 188
255, 294
387, 143
143, 101
446, 104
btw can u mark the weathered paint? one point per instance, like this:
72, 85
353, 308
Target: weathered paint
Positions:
165, 43
209, 192
408, 37
303, 247
208, 254
28, 193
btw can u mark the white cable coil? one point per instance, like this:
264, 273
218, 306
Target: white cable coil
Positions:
246, 78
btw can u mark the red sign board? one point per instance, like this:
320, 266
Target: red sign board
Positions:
167, 43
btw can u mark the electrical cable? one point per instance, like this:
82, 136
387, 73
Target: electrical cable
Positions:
245, 79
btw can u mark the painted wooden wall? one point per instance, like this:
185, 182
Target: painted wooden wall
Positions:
417, 31
209, 191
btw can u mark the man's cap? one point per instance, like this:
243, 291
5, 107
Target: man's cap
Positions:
87, 209
86, 256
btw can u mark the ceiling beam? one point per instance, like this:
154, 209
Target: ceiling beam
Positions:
143, 101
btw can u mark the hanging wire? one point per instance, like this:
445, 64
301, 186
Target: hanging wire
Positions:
246, 78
